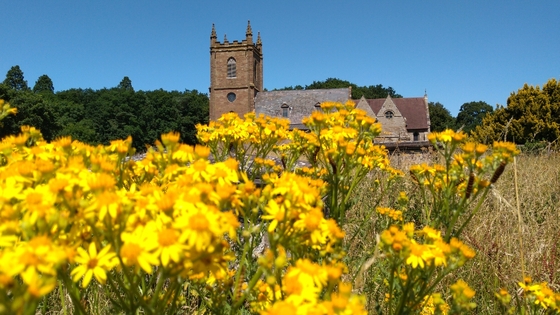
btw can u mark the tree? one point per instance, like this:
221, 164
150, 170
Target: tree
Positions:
44, 85
471, 115
369, 92
126, 84
531, 115
440, 117
15, 80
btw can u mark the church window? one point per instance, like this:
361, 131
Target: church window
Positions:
285, 110
231, 68
231, 97
389, 114
255, 72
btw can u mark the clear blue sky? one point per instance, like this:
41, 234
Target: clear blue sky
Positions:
457, 50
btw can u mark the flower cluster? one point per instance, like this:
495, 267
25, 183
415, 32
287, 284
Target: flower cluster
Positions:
340, 148
540, 295
416, 261
76, 214
464, 178
402, 245
303, 285
243, 139
66, 202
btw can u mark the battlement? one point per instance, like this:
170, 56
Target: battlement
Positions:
248, 41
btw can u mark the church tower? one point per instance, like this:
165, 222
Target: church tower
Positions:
236, 74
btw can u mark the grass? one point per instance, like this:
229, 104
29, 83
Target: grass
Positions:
494, 232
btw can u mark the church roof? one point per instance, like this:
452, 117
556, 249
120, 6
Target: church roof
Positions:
301, 103
413, 108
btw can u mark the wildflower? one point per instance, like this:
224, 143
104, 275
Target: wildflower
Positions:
138, 247
462, 296
38, 285
169, 246
281, 308
93, 264
419, 255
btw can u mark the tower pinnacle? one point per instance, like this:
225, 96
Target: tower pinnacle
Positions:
213, 35
249, 30
249, 33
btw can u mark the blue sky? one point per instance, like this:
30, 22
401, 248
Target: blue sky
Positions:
458, 51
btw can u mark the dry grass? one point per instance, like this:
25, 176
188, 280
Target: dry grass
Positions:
493, 233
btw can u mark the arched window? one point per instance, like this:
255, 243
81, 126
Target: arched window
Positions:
231, 68
389, 114
416, 136
255, 72
285, 112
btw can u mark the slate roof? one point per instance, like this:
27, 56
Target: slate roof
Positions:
412, 108
300, 102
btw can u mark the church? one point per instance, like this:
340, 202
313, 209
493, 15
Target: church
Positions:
236, 85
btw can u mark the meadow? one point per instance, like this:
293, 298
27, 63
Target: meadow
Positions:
505, 250
221, 228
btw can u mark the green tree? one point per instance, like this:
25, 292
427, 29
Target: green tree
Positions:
440, 117
369, 92
531, 115
15, 80
32, 110
44, 84
126, 84
471, 115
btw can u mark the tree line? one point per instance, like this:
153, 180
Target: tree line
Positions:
99, 116
532, 113
531, 117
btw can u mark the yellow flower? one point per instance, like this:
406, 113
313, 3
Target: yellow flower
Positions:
93, 264
38, 285
138, 247
281, 308
419, 254
170, 247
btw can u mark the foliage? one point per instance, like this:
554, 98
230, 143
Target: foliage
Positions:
99, 116
15, 80
440, 117
471, 115
126, 84
44, 84
369, 92
531, 115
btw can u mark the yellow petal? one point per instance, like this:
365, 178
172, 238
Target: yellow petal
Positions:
92, 250
100, 274
87, 278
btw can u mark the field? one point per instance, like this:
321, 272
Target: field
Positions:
505, 249
224, 229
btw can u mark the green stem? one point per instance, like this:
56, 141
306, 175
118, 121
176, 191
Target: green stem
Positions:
252, 284
480, 201
78, 307
62, 300
121, 303
160, 281
238, 273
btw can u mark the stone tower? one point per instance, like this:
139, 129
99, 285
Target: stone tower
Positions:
236, 74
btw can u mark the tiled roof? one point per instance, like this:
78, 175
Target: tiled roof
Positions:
300, 103
412, 108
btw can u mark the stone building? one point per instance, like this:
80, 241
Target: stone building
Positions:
236, 85
402, 119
